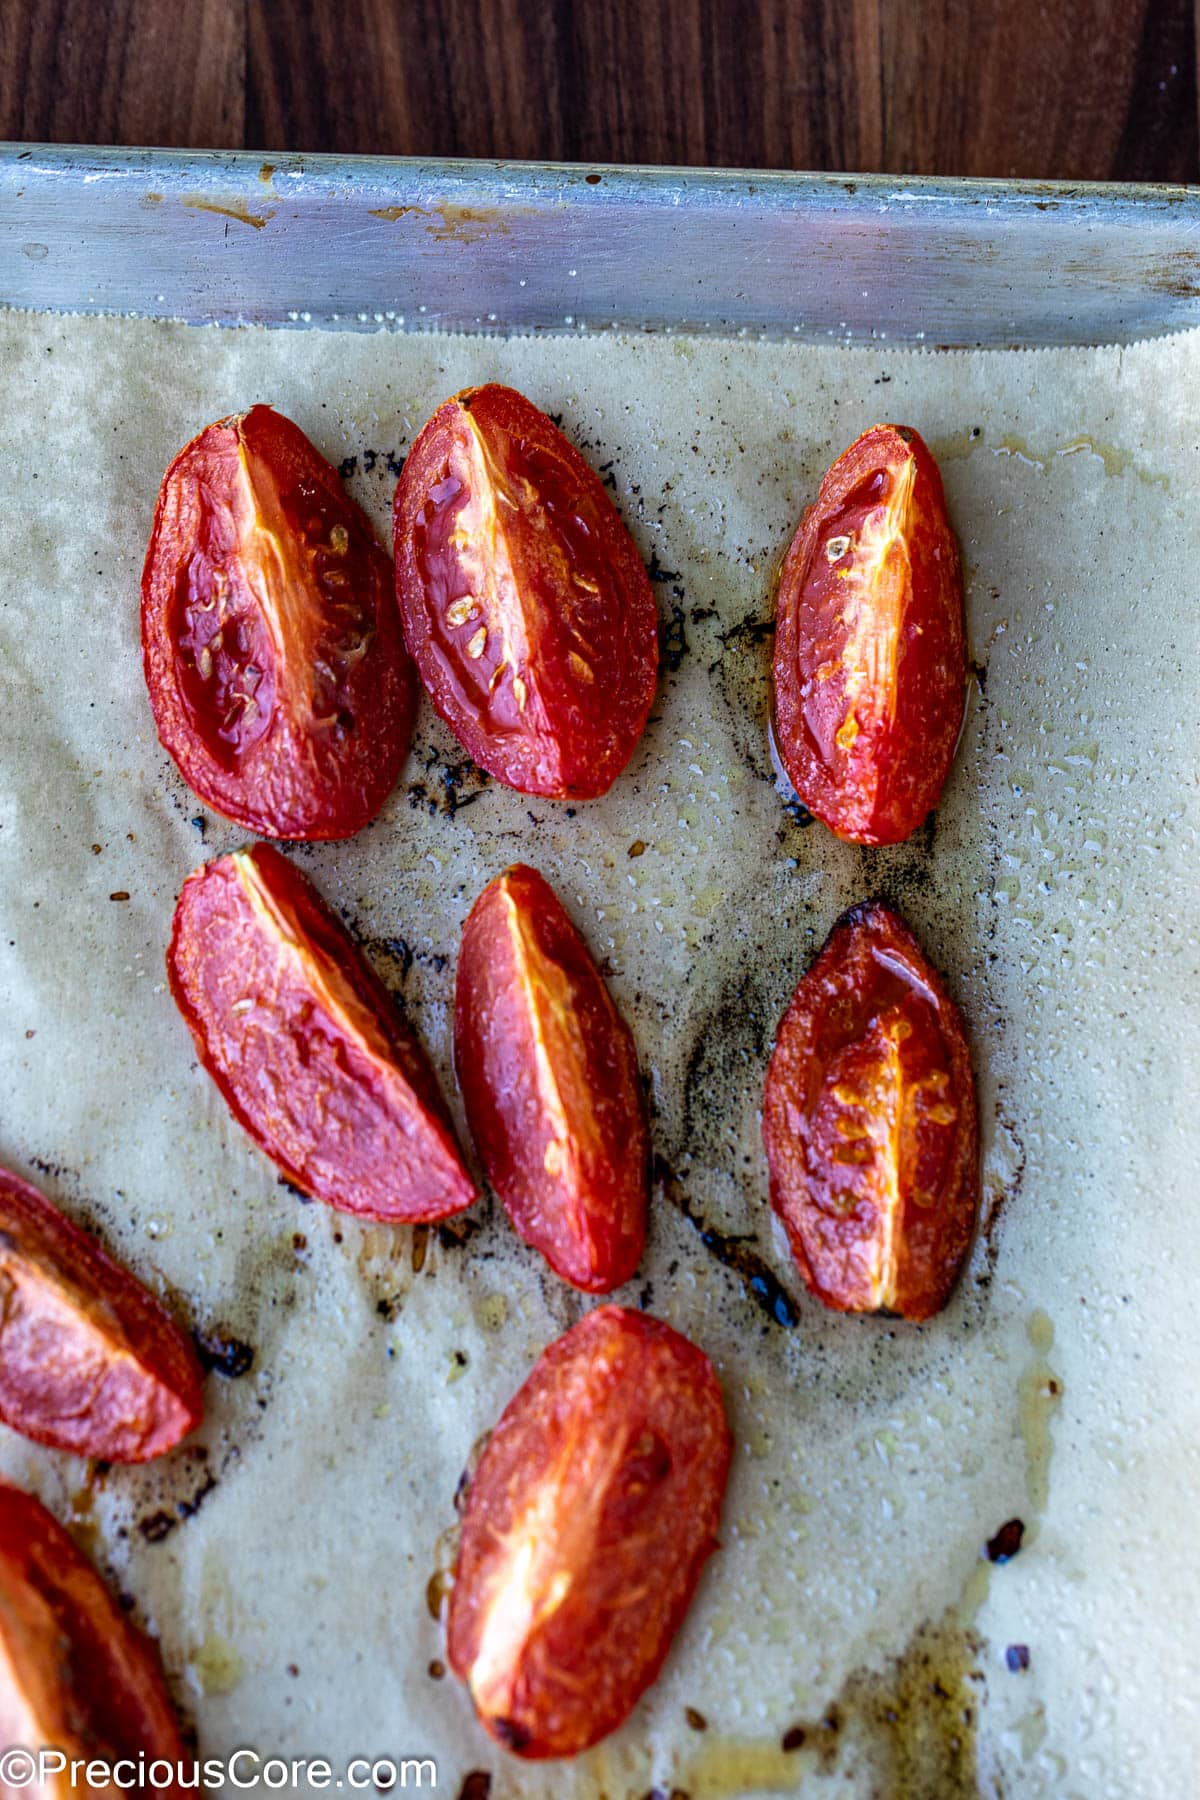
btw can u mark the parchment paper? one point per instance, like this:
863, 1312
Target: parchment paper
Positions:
283, 1557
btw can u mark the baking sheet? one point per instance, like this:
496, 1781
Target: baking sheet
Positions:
284, 1556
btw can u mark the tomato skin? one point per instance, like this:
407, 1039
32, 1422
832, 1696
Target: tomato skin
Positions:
870, 644
90, 1362
525, 604
590, 1517
549, 1075
75, 1674
870, 1123
307, 1045
270, 639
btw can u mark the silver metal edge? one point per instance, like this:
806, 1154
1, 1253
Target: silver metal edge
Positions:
375, 242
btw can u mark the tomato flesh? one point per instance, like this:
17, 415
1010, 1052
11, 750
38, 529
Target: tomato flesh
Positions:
870, 1123
590, 1517
272, 647
870, 642
75, 1674
89, 1360
525, 604
307, 1045
549, 1075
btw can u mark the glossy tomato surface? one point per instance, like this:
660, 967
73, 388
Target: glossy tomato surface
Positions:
525, 603
307, 1045
869, 1122
549, 1075
592, 1512
870, 643
272, 647
75, 1674
89, 1360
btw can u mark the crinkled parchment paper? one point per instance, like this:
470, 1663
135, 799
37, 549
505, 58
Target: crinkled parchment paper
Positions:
283, 1558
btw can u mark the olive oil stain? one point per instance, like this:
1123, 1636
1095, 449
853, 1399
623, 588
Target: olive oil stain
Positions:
958, 445
240, 213
1039, 1395
911, 1728
908, 1729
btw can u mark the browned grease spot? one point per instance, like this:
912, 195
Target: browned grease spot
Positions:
420, 1244
637, 848
463, 224
266, 174
468, 224
80, 1520
380, 1261
437, 1591
258, 220
476, 1786
907, 1732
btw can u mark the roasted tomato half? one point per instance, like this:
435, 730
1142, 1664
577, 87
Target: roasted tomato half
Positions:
75, 1674
89, 1360
549, 1075
525, 603
870, 644
271, 642
869, 1122
588, 1521
306, 1044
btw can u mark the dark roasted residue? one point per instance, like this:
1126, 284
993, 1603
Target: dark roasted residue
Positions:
454, 1233
476, 1786
1007, 1541
446, 787
749, 631
672, 637
227, 1356
513, 1736
159, 1525
736, 1253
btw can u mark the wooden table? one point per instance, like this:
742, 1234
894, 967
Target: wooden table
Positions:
1078, 89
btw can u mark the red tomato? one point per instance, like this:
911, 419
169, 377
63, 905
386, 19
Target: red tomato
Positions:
592, 1512
306, 1044
89, 1360
270, 638
524, 601
869, 1123
549, 1076
870, 643
75, 1674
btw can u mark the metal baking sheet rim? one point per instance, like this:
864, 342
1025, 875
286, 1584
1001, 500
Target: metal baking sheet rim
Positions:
371, 243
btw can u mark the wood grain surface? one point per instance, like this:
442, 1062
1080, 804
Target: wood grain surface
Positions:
1075, 89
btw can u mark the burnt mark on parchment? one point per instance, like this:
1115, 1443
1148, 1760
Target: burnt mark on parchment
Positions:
156, 1526
380, 463
912, 1727
446, 786
742, 671
736, 1252
391, 1258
